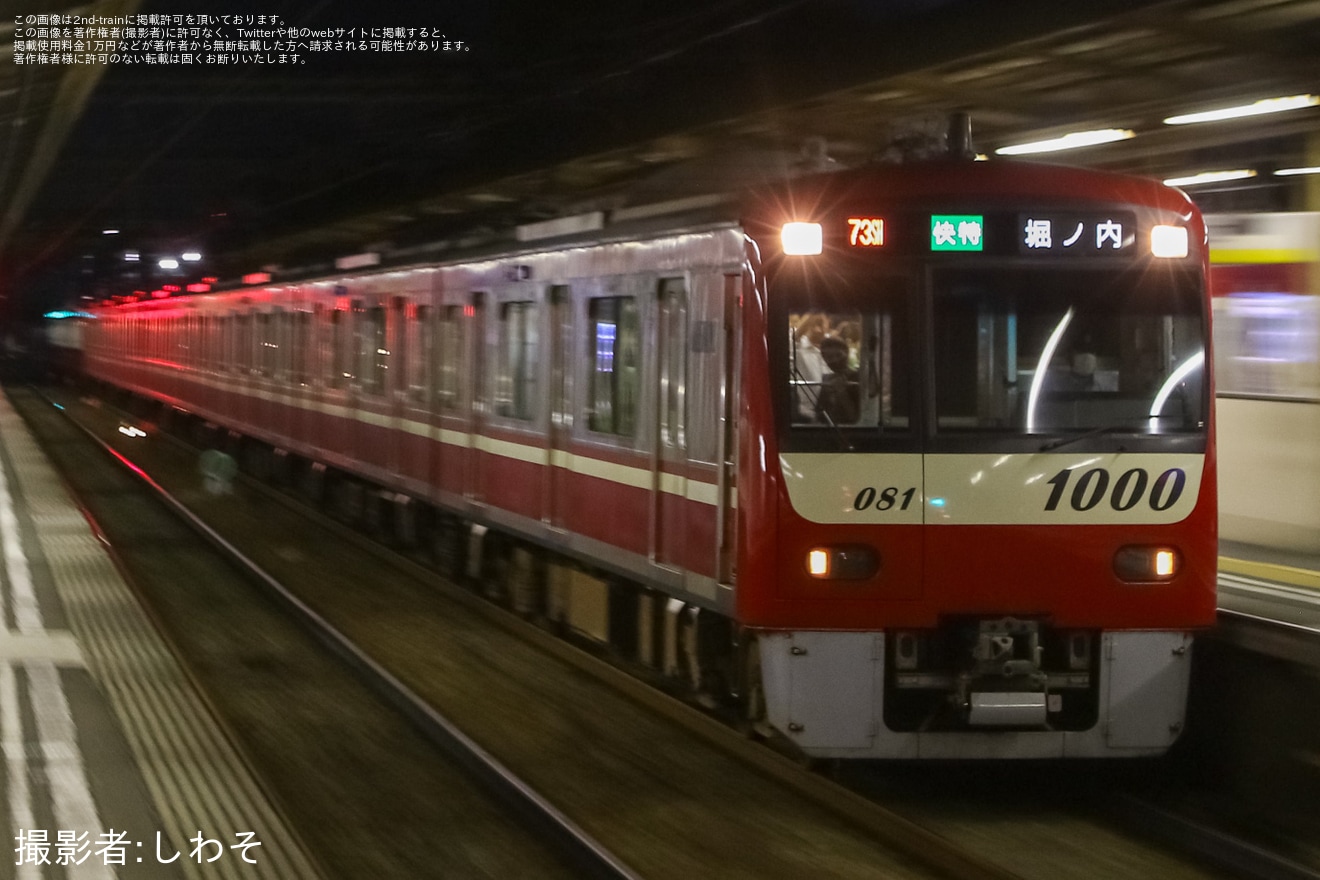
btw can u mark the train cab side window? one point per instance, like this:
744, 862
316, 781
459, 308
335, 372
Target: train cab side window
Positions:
849, 368
516, 363
615, 359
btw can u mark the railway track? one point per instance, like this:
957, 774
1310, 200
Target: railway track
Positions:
827, 830
677, 810
343, 766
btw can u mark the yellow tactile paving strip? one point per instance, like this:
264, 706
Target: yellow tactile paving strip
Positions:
1271, 571
194, 777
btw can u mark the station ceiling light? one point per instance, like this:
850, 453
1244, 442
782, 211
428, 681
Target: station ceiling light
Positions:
1289, 172
1070, 141
1255, 108
1210, 177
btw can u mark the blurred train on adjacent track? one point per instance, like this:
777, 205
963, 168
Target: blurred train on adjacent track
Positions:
906, 461
1265, 277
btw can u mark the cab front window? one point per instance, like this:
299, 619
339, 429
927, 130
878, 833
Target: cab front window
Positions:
1067, 352
849, 361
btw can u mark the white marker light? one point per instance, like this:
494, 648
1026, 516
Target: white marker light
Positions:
1168, 242
802, 239
1164, 563
1256, 108
818, 563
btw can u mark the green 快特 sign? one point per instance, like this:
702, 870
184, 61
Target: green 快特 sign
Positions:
957, 232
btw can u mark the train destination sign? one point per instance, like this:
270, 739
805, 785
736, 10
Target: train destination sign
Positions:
1091, 235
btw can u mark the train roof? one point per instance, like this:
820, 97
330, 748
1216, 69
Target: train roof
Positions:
756, 198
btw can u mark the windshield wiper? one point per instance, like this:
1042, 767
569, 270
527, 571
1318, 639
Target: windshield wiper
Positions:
814, 399
1095, 432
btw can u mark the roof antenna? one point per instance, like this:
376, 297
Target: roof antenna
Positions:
960, 136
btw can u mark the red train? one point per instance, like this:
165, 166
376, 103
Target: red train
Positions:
914, 460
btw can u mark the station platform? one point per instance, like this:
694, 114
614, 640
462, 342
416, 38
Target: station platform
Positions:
1264, 563
113, 765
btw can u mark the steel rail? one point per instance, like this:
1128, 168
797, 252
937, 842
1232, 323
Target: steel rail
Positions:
588, 855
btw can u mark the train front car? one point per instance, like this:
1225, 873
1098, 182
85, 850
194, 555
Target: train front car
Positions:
976, 476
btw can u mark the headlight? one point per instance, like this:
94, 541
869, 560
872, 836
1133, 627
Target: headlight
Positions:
801, 239
1144, 565
1168, 241
852, 562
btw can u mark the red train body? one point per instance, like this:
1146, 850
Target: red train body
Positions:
939, 482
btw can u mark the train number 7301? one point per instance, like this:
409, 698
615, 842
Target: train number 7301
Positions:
1128, 491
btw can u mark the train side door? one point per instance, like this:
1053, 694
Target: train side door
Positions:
726, 483
477, 396
337, 410
560, 393
670, 455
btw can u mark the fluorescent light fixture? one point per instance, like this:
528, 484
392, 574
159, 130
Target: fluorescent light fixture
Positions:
191, 256
1210, 177
1289, 172
1069, 141
1256, 108
109, 231
169, 263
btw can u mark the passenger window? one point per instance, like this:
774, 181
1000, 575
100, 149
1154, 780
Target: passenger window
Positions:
340, 362
243, 352
417, 337
615, 358
302, 347
373, 350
